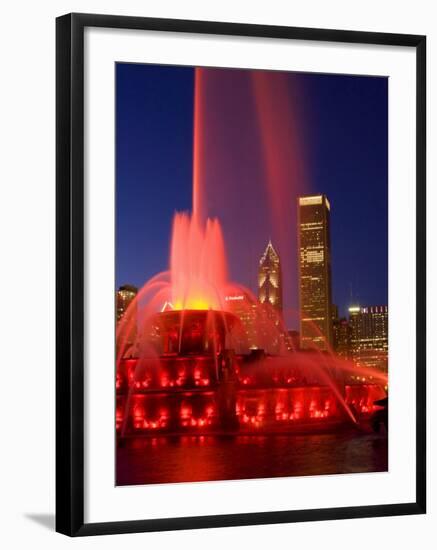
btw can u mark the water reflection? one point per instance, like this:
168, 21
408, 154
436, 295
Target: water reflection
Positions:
205, 458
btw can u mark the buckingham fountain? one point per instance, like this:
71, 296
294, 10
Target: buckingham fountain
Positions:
186, 368
182, 360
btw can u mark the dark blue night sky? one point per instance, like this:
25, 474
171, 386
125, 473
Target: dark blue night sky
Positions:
346, 135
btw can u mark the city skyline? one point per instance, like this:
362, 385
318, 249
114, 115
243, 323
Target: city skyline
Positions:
318, 318
359, 253
361, 336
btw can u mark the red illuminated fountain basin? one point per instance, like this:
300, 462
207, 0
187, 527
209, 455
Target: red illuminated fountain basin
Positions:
198, 384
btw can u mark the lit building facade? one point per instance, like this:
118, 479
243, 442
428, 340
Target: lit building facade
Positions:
369, 336
244, 308
341, 335
270, 279
270, 330
292, 340
315, 293
125, 295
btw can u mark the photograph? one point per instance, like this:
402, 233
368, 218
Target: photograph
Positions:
251, 274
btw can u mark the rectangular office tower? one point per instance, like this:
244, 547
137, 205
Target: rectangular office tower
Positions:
369, 336
314, 272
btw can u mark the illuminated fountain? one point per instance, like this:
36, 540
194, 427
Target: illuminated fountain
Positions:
188, 368
183, 360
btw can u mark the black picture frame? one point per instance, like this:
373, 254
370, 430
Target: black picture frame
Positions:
70, 273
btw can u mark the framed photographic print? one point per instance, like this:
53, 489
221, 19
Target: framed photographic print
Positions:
240, 274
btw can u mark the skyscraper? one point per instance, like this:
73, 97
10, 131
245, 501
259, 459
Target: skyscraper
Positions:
314, 272
270, 279
125, 295
369, 336
243, 307
270, 331
341, 336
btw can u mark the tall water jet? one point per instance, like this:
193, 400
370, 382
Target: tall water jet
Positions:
198, 266
198, 145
